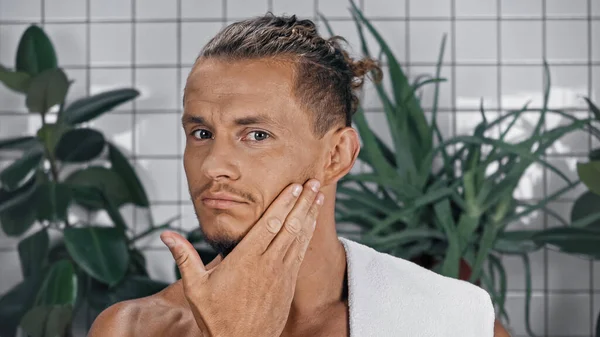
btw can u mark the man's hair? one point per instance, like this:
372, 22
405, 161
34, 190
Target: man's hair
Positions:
326, 77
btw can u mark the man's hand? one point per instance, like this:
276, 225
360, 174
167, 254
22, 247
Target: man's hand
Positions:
250, 292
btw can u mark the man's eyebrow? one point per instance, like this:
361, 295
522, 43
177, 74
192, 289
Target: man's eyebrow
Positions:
243, 121
190, 119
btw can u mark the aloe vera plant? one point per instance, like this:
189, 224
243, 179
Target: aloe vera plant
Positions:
455, 213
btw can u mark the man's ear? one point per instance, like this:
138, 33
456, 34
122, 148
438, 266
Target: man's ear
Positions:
343, 151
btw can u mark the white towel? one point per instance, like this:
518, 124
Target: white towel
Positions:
389, 296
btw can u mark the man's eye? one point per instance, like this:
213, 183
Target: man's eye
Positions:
258, 135
202, 134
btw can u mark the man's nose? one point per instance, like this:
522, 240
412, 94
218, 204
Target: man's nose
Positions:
220, 161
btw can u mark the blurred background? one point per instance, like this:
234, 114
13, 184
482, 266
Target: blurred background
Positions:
494, 52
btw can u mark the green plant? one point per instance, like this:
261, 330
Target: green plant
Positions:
65, 166
452, 218
587, 204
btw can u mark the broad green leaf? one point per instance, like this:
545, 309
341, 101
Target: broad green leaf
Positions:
47, 90
114, 213
18, 143
104, 179
59, 286
87, 196
594, 155
88, 108
12, 177
15, 303
53, 201
50, 134
48, 321
17, 213
100, 251
35, 52
589, 173
15, 80
587, 204
79, 145
132, 287
33, 252
571, 240
121, 165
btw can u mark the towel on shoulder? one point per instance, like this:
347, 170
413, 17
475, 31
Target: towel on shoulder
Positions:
390, 296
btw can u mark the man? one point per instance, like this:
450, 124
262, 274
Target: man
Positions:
267, 116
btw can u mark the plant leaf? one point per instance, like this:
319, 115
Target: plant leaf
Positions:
79, 145
105, 180
589, 173
15, 80
593, 108
18, 143
15, 303
16, 213
571, 240
35, 52
59, 286
587, 204
88, 108
47, 90
50, 134
12, 177
53, 200
121, 165
89, 197
516, 242
33, 252
47, 321
100, 251
594, 155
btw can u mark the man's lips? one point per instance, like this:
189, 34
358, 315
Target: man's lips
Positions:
221, 200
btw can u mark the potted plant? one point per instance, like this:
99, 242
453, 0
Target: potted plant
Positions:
68, 263
450, 217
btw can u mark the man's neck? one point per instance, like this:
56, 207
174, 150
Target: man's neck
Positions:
321, 279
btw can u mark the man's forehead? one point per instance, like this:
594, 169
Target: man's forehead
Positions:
241, 76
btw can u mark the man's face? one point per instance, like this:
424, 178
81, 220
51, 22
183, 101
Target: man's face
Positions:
246, 140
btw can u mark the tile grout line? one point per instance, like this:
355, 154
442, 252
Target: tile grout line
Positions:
545, 186
134, 103
178, 133
333, 18
589, 93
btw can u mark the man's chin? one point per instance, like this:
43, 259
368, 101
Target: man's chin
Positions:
223, 246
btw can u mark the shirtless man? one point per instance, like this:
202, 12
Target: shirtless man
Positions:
267, 116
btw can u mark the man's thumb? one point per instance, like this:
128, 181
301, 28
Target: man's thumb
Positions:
185, 255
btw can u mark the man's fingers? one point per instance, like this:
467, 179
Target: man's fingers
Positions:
297, 250
188, 261
262, 233
298, 224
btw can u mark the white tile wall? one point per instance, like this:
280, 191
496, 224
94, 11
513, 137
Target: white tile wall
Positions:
136, 43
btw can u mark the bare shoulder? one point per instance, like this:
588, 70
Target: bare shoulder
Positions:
499, 330
162, 314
